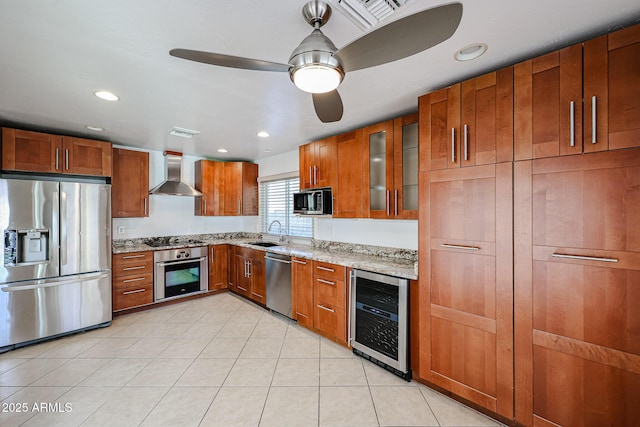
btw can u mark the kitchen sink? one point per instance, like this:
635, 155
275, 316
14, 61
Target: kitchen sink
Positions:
265, 244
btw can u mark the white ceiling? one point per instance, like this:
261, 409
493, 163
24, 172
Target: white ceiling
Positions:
55, 54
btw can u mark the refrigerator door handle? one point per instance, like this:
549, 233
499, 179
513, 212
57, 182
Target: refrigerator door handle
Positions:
63, 228
33, 284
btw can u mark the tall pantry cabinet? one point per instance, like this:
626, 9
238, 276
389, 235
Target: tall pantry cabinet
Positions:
465, 240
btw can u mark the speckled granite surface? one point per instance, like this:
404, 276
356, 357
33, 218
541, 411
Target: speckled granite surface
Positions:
391, 261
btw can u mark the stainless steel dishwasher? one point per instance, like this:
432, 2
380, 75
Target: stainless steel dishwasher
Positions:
278, 268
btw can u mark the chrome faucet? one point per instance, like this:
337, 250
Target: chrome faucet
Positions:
280, 239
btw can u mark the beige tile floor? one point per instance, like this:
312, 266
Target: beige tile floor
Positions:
215, 361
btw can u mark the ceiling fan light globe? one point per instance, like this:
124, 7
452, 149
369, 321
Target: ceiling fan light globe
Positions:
317, 78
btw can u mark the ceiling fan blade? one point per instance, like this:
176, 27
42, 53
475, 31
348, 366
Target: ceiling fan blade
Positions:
228, 60
401, 38
328, 106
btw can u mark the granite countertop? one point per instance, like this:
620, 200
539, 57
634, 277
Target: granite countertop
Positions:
355, 256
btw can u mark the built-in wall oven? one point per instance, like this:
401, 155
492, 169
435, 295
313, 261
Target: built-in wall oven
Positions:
180, 272
379, 327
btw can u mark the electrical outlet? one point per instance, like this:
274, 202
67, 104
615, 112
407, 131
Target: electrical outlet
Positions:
121, 229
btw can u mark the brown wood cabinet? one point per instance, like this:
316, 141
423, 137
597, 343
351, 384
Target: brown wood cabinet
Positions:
319, 297
329, 300
130, 184
218, 267
469, 123
40, 152
132, 280
466, 283
318, 164
611, 91
577, 270
302, 291
249, 274
229, 188
390, 183
348, 197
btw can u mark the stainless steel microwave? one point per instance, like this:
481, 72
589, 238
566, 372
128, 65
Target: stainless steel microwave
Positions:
313, 202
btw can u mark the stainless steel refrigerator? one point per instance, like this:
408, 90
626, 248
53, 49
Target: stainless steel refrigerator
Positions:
55, 271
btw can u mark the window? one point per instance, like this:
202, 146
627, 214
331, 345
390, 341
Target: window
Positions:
276, 204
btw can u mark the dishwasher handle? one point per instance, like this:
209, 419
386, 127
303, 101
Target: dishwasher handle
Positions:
277, 259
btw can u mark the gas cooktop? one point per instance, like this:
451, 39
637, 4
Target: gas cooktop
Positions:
162, 242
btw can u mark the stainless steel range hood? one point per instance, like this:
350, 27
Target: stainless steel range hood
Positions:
173, 185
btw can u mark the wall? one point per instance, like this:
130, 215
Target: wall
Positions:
173, 215
391, 233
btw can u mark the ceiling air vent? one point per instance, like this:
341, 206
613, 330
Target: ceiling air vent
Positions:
367, 13
182, 132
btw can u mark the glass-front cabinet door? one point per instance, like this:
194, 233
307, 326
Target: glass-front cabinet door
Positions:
405, 195
379, 172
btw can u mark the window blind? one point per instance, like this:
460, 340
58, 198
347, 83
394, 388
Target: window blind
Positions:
276, 203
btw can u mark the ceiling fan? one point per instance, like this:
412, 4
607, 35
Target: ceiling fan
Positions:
318, 66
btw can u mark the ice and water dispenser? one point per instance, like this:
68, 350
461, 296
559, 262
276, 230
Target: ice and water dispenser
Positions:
26, 246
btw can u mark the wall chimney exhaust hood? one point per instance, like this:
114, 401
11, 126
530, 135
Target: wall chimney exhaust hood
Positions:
173, 185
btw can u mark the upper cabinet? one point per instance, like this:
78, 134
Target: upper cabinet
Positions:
348, 197
391, 169
318, 164
611, 91
229, 188
130, 184
469, 123
550, 115
40, 152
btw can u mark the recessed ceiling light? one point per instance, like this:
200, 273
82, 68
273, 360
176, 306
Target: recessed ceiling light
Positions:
470, 52
106, 95
268, 150
222, 150
95, 128
263, 134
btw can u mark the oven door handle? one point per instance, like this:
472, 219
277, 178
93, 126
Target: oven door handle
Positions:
162, 264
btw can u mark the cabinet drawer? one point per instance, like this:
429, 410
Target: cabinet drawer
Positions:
327, 270
132, 296
132, 258
132, 269
330, 321
142, 279
329, 291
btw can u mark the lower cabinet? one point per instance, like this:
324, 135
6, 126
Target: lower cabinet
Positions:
319, 297
218, 267
132, 280
248, 274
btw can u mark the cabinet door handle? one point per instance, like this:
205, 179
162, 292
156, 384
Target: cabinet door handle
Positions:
466, 142
239, 208
593, 119
326, 282
204, 201
310, 175
139, 267
133, 256
388, 203
248, 269
396, 203
133, 292
145, 206
315, 175
212, 255
66, 158
572, 118
584, 257
331, 270
453, 145
466, 248
137, 279
57, 158
299, 262
241, 288
326, 308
